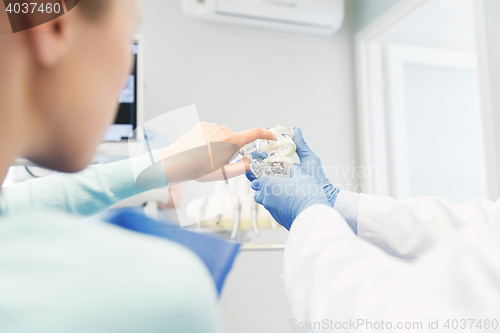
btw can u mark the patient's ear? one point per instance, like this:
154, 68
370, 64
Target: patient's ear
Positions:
50, 42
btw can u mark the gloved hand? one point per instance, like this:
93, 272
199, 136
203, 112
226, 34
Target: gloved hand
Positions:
311, 165
250, 176
286, 198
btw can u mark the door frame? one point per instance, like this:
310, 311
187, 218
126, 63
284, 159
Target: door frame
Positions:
371, 98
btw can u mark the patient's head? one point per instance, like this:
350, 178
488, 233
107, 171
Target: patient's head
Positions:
60, 82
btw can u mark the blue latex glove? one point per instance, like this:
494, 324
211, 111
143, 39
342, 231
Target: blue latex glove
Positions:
311, 165
286, 198
250, 176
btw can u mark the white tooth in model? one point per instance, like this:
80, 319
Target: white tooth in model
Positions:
271, 158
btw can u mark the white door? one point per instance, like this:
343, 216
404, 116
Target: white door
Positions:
426, 108
435, 128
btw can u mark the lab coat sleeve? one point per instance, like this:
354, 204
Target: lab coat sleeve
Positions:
333, 276
408, 228
347, 204
86, 193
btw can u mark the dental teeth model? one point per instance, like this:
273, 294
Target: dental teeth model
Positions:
271, 158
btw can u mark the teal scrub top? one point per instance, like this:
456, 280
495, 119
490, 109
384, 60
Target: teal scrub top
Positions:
59, 275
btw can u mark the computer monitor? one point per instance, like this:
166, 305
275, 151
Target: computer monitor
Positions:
131, 107
126, 119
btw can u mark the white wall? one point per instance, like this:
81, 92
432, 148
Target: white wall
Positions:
493, 10
245, 78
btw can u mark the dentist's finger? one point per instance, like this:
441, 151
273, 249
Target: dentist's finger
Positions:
259, 184
296, 171
259, 197
260, 187
250, 176
303, 149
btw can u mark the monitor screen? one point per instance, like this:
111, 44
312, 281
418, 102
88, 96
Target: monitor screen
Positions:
126, 119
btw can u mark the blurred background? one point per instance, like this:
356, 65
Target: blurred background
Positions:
397, 97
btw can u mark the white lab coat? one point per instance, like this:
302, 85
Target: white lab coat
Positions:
418, 260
